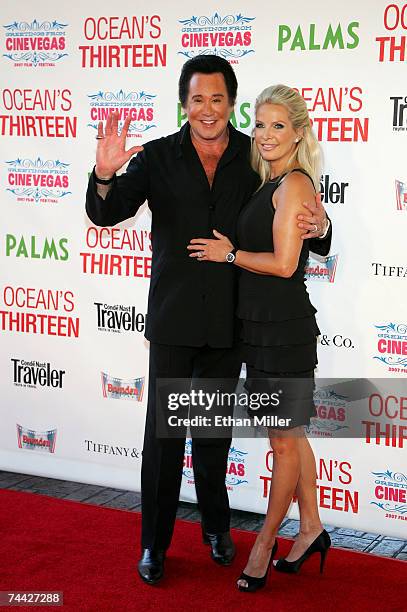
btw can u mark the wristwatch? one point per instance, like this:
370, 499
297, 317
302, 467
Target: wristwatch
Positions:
230, 257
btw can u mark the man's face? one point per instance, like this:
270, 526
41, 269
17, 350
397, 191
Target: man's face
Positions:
208, 107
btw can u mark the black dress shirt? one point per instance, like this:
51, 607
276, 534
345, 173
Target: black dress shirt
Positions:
190, 303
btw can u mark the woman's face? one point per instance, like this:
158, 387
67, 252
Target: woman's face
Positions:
275, 136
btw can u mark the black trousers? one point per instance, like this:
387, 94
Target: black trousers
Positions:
162, 461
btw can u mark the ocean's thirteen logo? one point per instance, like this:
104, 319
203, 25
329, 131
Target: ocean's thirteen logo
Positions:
38, 180
42, 441
33, 310
236, 468
117, 388
229, 36
392, 346
117, 318
33, 373
130, 41
390, 494
324, 270
393, 46
140, 106
331, 414
401, 195
35, 44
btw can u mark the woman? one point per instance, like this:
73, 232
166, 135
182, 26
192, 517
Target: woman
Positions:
278, 322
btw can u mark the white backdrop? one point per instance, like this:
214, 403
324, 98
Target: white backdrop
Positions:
61, 278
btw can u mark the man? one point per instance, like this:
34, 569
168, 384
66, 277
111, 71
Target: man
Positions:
195, 181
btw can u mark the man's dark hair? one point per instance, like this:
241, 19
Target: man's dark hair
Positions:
207, 64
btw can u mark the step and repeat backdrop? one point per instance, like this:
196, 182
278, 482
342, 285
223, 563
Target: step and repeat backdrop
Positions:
73, 358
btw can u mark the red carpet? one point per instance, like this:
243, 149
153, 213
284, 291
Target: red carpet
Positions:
90, 554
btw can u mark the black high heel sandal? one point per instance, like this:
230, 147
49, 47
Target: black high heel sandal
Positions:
321, 544
253, 583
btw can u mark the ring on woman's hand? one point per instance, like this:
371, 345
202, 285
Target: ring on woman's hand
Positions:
200, 254
99, 137
316, 228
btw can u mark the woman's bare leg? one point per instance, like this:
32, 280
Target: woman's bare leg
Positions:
306, 492
286, 472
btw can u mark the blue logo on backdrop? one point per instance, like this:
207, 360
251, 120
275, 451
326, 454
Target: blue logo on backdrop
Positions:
39, 43
138, 105
229, 37
38, 180
331, 413
392, 346
236, 469
391, 490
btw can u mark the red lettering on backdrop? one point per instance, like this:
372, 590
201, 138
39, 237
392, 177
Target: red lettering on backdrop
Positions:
19, 123
387, 427
52, 300
334, 100
337, 498
134, 50
393, 48
116, 239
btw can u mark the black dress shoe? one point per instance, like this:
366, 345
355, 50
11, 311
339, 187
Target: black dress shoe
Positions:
222, 547
151, 565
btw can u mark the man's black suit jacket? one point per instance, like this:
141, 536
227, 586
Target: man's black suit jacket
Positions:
189, 303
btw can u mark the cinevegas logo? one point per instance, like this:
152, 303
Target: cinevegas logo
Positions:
138, 105
33, 373
118, 318
331, 414
117, 388
38, 180
322, 271
401, 195
392, 346
41, 441
35, 44
390, 493
236, 468
230, 36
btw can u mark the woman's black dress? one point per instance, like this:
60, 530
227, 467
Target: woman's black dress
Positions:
278, 320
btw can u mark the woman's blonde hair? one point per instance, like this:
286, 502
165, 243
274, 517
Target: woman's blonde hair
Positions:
307, 153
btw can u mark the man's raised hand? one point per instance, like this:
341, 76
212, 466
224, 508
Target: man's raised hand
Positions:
111, 152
